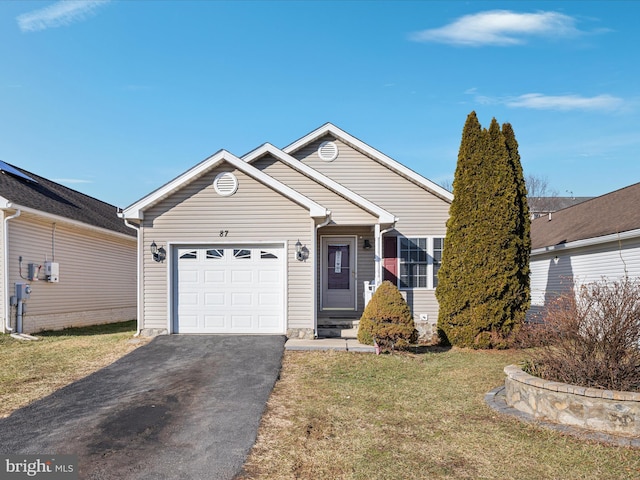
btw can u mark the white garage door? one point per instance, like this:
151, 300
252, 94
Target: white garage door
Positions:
230, 289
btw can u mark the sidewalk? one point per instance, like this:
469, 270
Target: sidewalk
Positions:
324, 344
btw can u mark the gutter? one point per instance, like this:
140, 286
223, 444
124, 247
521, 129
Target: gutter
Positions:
138, 276
587, 242
7, 327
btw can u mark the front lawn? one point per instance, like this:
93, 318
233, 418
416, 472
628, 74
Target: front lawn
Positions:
30, 370
412, 416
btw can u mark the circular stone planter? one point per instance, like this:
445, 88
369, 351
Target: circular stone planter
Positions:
591, 408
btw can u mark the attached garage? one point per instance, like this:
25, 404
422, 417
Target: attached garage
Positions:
229, 289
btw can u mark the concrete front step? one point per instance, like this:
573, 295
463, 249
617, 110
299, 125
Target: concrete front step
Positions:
337, 332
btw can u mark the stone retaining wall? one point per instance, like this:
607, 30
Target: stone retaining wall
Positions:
602, 410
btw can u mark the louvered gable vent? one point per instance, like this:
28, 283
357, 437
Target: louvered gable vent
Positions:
225, 184
328, 151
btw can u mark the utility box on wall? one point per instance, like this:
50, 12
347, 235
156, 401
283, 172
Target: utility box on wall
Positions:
52, 271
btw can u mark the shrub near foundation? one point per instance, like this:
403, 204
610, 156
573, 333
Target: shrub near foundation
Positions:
387, 320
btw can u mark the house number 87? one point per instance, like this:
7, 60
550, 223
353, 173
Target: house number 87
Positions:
224, 233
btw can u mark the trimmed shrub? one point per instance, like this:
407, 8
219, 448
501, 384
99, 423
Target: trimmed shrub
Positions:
387, 320
591, 339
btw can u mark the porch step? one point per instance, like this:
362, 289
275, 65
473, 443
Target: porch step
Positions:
338, 328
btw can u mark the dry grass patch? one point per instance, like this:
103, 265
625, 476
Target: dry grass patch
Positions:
32, 370
412, 416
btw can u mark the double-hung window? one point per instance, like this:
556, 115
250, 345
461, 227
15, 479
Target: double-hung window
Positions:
420, 260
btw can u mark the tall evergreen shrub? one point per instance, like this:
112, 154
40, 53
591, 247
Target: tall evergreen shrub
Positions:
483, 283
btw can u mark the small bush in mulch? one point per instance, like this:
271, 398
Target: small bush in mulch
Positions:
589, 337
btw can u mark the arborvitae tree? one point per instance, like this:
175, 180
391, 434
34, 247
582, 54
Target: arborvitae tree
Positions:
483, 281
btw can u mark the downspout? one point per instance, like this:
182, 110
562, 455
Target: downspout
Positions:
7, 326
138, 277
315, 272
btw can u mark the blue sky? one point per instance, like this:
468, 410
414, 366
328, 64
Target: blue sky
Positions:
115, 98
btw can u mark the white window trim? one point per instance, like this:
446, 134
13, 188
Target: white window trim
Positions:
430, 259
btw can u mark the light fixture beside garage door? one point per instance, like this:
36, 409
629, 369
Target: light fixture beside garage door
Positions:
225, 184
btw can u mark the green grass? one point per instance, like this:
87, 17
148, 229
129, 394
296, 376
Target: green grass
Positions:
30, 370
413, 416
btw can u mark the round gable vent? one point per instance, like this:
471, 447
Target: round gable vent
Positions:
328, 151
225, 184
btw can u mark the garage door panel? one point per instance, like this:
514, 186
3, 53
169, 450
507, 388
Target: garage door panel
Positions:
214, 321
241, 276
230, 289
214, 299
240, 300
215, 277
268, 299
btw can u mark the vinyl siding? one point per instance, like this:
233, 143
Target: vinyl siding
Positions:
2, 282
196, 214
577, 266
420, 212
343, 211
97, 274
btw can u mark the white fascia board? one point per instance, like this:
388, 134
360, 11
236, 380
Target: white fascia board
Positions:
136, 210
384, 216
329, 128
587, 242
4, 202
68, 221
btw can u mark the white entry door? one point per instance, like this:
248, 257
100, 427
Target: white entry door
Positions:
338, 272
229, 289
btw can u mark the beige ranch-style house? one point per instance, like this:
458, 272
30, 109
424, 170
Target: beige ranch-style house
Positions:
287, 241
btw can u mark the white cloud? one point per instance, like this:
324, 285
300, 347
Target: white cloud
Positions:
499, 28
59, 14
539, 101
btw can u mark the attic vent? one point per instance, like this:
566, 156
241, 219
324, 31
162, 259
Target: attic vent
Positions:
225, 184
328, 151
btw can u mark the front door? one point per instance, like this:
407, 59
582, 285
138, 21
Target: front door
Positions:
338, 273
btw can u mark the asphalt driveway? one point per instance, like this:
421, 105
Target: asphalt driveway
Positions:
180, 407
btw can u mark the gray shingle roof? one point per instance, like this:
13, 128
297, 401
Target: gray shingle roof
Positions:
614, 212
56, 199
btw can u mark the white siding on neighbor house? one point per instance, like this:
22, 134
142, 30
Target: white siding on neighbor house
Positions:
420, 212
343, 212
196, 214
97, 281
577, 266
2, 282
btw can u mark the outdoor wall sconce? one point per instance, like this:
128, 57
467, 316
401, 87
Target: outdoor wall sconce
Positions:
159, 254
367, 244
299, 254
555, 259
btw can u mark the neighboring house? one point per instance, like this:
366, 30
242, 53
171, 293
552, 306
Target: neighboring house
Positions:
282, 241
74, 253
539, 206
584, 243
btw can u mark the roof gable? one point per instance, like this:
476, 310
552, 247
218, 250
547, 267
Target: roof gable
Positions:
359, 145
136, 210
384, 216
612, 213
51, 198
